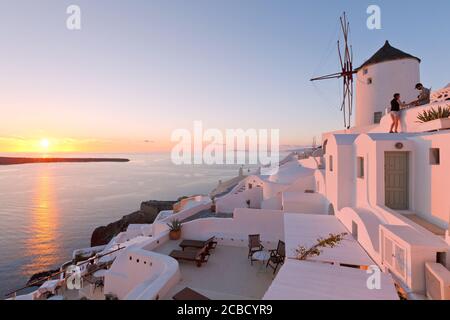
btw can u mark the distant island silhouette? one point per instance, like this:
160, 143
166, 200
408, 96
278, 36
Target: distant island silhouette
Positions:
24, 160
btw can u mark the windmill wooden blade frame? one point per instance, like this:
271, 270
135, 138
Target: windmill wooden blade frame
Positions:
346, 64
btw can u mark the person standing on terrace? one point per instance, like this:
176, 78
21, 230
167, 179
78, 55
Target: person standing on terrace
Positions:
396, 103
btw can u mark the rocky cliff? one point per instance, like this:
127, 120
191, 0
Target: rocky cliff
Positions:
147, 214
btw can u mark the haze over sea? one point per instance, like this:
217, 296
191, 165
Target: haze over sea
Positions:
48, 210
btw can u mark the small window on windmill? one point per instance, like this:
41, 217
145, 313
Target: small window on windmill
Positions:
369, 81
435, 156
330, 164
377, 117
365, 71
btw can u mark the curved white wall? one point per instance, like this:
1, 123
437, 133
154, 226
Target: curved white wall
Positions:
320, 187
139, 274
387, 78
368, 229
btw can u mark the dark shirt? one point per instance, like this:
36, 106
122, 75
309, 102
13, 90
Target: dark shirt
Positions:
395, 106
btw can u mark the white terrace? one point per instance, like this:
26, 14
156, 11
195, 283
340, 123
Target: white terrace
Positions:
227, 275
147, 272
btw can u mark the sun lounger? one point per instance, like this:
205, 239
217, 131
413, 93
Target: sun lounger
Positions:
198, 256
189, 294
210, 243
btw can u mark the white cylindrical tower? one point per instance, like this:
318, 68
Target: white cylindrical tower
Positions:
387, 72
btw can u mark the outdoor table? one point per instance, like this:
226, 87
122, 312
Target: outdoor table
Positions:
262, 256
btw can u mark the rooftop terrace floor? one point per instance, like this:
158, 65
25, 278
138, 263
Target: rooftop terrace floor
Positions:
227, 275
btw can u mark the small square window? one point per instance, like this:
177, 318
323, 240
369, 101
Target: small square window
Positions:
369, 81
365, 71
360, 167
441, 257
331, 163
435, 156
377, 117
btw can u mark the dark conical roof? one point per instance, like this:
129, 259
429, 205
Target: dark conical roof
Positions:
387, 53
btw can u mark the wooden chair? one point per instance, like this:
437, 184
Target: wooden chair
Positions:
198, 256
277, 256
198, 244
254, 245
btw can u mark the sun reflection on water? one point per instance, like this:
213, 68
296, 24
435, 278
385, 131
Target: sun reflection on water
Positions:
42, 244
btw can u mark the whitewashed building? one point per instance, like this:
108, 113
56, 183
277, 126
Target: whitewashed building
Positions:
389, 192
392, 190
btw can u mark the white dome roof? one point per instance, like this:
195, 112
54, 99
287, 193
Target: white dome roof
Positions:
290, 172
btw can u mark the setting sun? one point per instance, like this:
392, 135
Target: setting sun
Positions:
45, 143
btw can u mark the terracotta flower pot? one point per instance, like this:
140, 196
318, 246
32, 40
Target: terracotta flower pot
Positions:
175, 235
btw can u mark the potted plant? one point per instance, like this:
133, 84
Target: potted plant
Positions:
434, 119
175, 229
433, 114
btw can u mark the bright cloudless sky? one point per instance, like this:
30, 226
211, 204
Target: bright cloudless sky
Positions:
140, 69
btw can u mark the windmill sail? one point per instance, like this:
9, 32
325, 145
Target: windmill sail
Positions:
346, 63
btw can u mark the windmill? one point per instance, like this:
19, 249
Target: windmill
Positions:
346, 73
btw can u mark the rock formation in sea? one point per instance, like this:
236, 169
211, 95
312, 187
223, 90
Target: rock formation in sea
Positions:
147, 214
102, 235
39, 278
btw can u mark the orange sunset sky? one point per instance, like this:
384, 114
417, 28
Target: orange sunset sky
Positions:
137, 71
